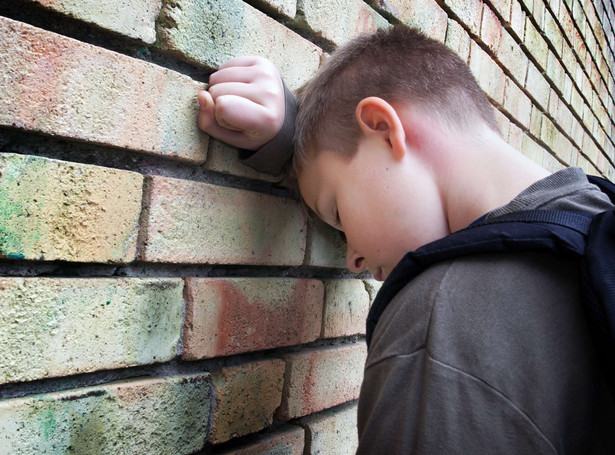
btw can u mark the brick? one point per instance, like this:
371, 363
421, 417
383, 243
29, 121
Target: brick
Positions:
339, 21
138, 16
517, 19
515, 136
287, 440
458, 40
245, 398
491, 29
553, 33
345, 309
426, 15
62, 87
538, 86
538, 10
56, 210
563, 148
517, 103
555, 72
372, 287
226, 316
512, 57
488, 74
321, 378
469, 13
532, 150
536, 121
550, 163
332, 431
197, 223
285, 8
62, 326
548, 133
503, 123
536, 44
210, 33
324, 247
503, 8
154, 416
225, 159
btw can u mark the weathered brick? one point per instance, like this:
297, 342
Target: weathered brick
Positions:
517, 19
210, 33
458, 40
338, 21
531, 149
138, 16
285, 8
538, 10
536, 121
503, 123
550, 163
548, 133
225, 159
226, 316
426, 15
512, 57
143, 415
372, 287
325, 247
491, 29
517, 103
59, 86
346, 307
537, 85
286, 440
553, 33
62, 326
194, 222
469, 13
515, 136
332, 431
555, 71
489, 75
536, 44
56, 210
321, 378
563, 148
503, 8
245, 398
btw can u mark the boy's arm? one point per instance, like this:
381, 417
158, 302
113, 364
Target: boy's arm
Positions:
248, 106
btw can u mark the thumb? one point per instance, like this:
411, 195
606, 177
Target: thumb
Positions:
206, 120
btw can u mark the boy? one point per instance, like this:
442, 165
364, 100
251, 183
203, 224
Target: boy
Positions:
397, 146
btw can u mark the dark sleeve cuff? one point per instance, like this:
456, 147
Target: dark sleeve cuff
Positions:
272, 156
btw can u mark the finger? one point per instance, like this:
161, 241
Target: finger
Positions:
248, 91
207, 122
240, 114
233, 74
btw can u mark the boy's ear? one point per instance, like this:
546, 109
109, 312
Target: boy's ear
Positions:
376, 116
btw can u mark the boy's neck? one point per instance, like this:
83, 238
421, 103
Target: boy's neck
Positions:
483, 175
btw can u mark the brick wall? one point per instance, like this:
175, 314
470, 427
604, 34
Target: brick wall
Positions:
157, 296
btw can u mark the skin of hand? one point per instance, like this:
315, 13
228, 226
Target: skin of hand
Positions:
244, 105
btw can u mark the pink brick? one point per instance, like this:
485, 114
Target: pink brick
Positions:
286, 440
491, 29
59, 86
321, 378
245, 398
346, 307
226, 316
194, 222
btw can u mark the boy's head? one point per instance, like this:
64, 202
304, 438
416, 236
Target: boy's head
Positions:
366, 135
399, 65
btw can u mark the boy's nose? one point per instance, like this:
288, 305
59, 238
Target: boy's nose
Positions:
354, 261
